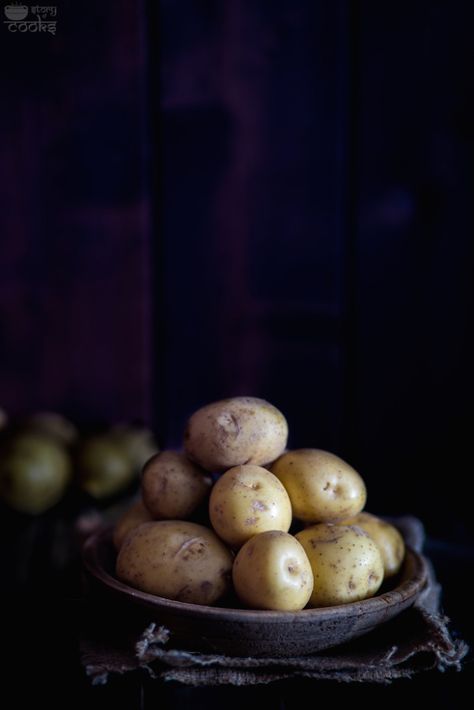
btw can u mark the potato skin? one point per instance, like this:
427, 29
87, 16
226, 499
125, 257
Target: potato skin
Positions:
239, 430
35, 471
322, 487
134, 516
173, 486
177, 560
247, 500
347, 565
272, 571
387, 538
103, 468
54, 425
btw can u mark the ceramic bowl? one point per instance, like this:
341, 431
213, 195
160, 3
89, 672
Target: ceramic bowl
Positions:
244, 632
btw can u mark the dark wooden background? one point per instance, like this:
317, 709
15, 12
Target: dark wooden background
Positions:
204, 198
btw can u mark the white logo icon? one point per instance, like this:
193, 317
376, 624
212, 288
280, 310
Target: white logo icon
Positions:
15, 13
40, 18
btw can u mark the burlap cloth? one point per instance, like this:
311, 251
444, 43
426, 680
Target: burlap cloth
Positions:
416, 640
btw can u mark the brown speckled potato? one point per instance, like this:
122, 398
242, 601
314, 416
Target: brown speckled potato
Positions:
130, 519
176, 560
247, 500
239, 430
347, 565
322, 487
173, 486
272, 571
387, 538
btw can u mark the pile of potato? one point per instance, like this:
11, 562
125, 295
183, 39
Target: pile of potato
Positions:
43, 455
339, 555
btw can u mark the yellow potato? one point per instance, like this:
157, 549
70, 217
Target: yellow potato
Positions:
54, 425
103, 467
387, 538
239, 430
129, 520
35, 471
272, 571
173, 486
322, 487
247, 500
176, 560
347, 565
136, 441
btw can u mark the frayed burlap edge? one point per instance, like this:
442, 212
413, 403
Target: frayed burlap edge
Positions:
438, 651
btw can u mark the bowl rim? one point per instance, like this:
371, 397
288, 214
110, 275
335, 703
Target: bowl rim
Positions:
408, 589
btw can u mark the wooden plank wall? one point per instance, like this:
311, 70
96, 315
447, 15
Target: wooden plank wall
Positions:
253, 159
206, 198
415, 255
74, 268
317, 163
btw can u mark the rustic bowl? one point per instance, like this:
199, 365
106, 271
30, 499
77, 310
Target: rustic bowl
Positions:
242, 632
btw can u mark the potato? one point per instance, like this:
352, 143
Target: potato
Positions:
322, 487
138, 443
54, 425
347, 565
247, 500
272, 571
173, 486
177, 560
103, 467
387, 538
35, 471
129, 520
240, 430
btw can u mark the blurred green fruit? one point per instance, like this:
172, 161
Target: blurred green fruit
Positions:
103, 467
137, 442
34, 473
53, 425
